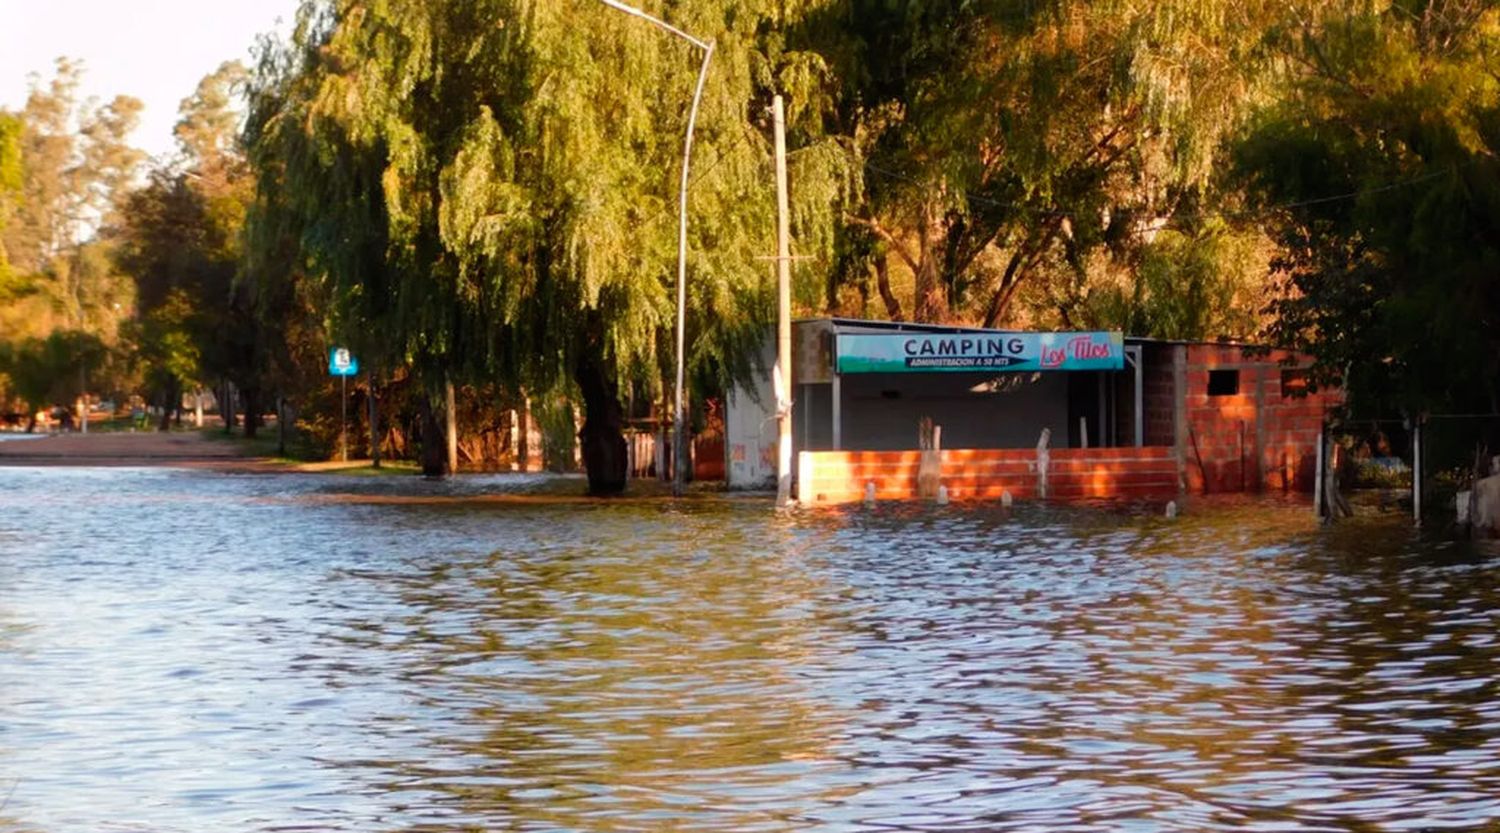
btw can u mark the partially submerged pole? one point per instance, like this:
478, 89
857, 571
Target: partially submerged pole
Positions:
1416, 472
679, 452
1043, 460
1318, 478
783, 314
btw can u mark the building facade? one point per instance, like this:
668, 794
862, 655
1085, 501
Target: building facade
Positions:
1087, 415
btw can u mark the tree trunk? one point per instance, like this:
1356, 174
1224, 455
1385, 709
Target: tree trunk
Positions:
168, 395
930, 305
930, 302
374, 426
434, 460
603, 442
281, 426
883, 283
252, 412
226, 407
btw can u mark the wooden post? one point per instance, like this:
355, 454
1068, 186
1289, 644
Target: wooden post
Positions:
1043, 461
1318, 477
1416, 472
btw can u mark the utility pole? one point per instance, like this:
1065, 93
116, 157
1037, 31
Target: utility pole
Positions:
783, 376
679, 457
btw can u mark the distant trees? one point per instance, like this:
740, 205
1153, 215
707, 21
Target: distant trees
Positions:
64, 164
11, 179
43, 372
481, 194
75, 163
181, 241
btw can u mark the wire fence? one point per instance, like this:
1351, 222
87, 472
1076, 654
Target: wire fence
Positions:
1385, 456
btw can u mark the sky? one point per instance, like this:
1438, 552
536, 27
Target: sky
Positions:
155, 50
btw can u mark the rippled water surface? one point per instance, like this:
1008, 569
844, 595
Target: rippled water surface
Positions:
184, 651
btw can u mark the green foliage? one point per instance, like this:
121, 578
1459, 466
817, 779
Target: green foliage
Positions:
10, 186
76, 161
490, 187
52, 370
1198, 284
181, 241
1004, 141
1379, 164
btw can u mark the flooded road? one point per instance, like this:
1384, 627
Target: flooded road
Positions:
185, 651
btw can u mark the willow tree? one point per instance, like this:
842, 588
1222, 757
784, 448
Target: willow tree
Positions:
1001, 141
488, 188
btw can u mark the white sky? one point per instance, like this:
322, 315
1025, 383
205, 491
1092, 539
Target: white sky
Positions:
155, 50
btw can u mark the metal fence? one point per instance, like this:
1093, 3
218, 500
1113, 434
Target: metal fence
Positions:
1418, 467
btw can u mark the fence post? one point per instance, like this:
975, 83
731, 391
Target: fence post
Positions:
1416, 472
1043, 460
1318, 476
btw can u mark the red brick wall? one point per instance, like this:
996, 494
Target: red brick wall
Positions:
1256, 439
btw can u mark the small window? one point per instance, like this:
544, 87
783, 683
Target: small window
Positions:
1293, 383
1223, 383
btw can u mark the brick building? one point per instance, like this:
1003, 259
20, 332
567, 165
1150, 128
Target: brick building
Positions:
1124, 417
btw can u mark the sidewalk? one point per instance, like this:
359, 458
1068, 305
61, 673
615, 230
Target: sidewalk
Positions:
147, 448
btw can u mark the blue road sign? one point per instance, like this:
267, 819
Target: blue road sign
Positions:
341, 362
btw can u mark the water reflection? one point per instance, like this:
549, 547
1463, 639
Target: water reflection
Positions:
272, 653
661, 675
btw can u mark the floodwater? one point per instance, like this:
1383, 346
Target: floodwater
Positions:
185, 651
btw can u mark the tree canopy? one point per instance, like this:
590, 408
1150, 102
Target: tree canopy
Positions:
1378, 168
483, 193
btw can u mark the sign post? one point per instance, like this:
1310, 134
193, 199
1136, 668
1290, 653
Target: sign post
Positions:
341, 363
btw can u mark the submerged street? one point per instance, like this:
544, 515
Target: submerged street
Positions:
189, 651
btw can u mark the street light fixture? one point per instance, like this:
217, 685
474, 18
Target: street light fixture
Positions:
678, 457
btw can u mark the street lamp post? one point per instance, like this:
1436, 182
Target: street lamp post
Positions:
678, 456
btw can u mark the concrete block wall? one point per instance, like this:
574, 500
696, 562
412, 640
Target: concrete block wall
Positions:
1258, 438
1158, 394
